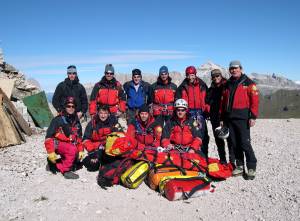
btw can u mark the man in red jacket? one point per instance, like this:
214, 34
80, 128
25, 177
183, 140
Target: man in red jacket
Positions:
239, 110
64, 138
109, 92
181, 132
193, 90
145, 129
94, 137
163, 95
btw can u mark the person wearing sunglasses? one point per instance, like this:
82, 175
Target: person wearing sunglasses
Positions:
163, 95
94, 138
239, 110
213, 98
181, 133
64, 138
193, 90
137, 93
108, 91
71, 87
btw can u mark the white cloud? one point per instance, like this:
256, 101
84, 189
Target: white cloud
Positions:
117, 56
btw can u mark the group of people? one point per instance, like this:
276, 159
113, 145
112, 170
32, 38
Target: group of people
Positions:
160, 115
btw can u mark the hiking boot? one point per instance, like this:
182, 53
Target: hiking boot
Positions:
70, 175
251, 174
238, 171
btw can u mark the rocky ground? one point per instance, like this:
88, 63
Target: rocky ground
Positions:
28, 192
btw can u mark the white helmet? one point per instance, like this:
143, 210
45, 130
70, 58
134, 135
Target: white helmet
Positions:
181, 103
222, 132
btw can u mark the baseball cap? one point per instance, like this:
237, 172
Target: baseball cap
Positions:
235, 64
163, 69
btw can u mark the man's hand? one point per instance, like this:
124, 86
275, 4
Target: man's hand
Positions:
118, 113
191, 150
52, 157
221, 123
80, 155
251, 122
79, 114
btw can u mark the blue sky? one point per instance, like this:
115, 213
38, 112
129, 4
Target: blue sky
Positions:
41, 38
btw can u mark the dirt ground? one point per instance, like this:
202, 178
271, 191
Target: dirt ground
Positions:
28, 192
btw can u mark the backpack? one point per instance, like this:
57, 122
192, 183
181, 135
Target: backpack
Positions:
219, 171
118, 143
110, 173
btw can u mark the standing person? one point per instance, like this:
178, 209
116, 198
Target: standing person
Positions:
109, 92
180, 133
71, 87
239, 110
193, 90
213, 98
163, 95
145, 129
94, 138
64, 136
138, 94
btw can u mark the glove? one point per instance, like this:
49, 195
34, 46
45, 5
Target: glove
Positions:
80, 155
52, 157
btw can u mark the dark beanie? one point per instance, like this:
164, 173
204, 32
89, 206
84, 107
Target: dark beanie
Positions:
136, 72
144, 108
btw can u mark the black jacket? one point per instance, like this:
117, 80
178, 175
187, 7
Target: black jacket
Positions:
213, 98
70, 88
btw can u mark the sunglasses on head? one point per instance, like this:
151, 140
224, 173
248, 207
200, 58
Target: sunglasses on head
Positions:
181, 110
70, 106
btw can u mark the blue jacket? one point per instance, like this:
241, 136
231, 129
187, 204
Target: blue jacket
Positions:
136, 99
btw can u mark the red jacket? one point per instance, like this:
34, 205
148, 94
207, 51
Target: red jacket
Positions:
194, 94
240, 99
146, 135
163, 97
185, 133
108, 93
96, 132
64, 128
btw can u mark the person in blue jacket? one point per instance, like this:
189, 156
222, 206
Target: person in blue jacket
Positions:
137, 93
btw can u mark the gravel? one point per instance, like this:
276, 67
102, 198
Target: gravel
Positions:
28, 192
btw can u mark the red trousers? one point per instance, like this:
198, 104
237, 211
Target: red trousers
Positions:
67, 153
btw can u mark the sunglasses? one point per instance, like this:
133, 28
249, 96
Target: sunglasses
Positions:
232, 68
181, 110
109, 73
215, 76
72, 73
70, 106
164, 73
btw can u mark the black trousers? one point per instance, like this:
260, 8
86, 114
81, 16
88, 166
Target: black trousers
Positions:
239, 136
219, 142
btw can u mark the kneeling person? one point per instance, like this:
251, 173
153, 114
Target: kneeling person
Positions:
182, 133
145, 129
64, 138
94, 139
